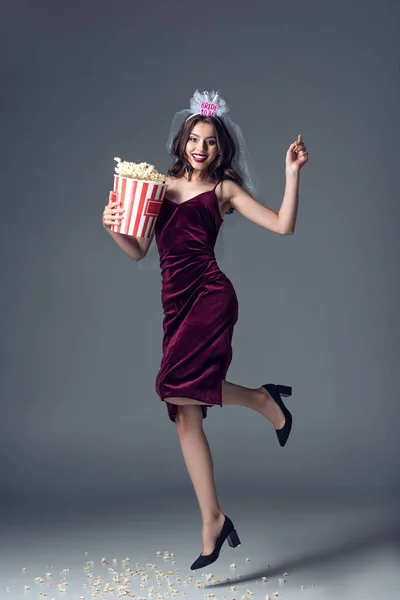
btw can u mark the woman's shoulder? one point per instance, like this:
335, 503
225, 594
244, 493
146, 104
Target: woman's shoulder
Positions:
229, 186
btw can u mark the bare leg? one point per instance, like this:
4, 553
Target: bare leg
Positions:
257, 399
196, 450
198, 460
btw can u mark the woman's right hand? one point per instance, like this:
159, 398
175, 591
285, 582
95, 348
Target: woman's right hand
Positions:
112, 214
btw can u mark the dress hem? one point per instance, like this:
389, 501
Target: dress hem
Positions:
173, 408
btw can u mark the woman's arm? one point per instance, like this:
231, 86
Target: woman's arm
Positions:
134, 247
282, 222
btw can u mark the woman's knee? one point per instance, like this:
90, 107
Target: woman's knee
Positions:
189, 417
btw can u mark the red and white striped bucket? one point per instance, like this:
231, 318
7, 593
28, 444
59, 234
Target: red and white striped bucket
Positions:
141, 201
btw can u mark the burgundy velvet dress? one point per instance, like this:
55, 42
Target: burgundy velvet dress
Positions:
199, 303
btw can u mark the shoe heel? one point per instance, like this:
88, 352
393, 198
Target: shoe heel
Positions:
284, 390
233, 539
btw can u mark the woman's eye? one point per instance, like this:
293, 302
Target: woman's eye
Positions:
210, 143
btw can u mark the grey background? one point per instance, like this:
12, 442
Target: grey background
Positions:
81, 325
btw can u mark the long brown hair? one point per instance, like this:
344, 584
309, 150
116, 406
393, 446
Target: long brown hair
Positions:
221, 167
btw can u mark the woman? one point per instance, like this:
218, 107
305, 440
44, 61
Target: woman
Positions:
199, 302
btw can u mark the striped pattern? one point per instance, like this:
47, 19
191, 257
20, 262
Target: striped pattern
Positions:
142, 202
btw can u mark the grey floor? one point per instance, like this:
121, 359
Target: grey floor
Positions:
315, 549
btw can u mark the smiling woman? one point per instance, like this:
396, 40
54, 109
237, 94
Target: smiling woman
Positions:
201, 145
204, 147
209, 178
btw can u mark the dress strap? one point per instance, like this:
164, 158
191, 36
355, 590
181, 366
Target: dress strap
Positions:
219, 181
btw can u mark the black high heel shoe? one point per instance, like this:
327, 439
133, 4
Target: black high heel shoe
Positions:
276, 392
228, 531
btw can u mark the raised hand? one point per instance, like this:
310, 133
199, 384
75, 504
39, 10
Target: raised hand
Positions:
296, 156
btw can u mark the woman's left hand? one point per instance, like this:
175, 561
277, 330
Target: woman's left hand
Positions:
296, 156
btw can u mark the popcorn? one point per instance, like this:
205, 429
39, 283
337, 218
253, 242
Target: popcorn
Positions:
143, 171
140, 189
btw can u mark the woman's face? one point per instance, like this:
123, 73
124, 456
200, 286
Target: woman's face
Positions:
201, 147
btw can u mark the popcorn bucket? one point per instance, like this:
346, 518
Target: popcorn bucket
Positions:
141, 201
